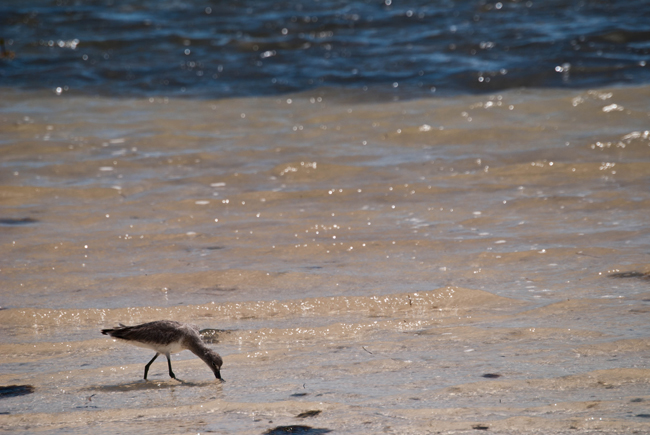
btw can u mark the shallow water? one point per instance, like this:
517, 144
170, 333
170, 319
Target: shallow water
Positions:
370, 260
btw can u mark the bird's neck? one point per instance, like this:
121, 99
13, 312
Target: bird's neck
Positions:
198, 348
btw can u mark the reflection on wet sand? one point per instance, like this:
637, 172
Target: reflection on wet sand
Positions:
143, 385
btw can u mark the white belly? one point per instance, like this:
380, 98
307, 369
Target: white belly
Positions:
173, 347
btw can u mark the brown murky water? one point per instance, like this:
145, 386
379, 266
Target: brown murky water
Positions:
373, 261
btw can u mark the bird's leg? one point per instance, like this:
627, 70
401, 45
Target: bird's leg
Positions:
169, 364
146, 368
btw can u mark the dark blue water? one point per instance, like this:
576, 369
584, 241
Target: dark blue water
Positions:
215, 49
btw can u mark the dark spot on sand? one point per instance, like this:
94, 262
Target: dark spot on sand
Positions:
18, 221
491, 375
299, 394
480, 427
643, 415
297, 429
312, 413
216, 289
631, 274
213, 336
15, 390
637, 400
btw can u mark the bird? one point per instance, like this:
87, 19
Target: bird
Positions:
167, 337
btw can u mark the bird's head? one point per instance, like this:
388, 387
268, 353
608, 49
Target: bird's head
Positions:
215, 362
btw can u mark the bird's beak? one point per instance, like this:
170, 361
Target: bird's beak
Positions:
217, 373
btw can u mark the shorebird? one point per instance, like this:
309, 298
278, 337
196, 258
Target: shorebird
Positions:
167, 337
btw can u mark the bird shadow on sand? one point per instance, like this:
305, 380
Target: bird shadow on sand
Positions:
150, 384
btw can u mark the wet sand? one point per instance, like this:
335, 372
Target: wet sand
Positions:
369, 260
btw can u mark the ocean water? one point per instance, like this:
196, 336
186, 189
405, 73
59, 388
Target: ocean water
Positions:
377, 251
405, 49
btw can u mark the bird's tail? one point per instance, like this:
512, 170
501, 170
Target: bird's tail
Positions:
115, 332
